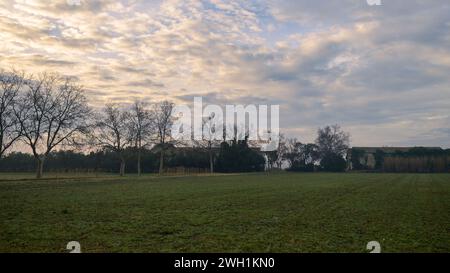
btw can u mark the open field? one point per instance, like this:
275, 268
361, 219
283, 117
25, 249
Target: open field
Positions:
241, 213
52, 176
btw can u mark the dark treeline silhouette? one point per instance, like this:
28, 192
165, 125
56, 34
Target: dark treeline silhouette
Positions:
326, 154
67, 161
237, 156
233, 157
420, 160
103, 161
414, 160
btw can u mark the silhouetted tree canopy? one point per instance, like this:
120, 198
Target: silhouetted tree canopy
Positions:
333, 163
239, 157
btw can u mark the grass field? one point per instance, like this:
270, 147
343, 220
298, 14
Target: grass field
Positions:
238, 213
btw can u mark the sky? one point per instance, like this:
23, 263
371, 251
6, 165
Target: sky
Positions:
380, 71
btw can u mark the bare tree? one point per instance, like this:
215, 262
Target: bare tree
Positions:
163, 119
142, 128
52, 112
10, 86
113, 132
275, 158
293, 151
211, 138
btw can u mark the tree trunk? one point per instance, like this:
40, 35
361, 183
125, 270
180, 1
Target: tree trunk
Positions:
161, 162
39, 167
139, 162
122, 167
211, 161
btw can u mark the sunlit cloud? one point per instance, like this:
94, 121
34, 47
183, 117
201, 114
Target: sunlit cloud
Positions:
379, 71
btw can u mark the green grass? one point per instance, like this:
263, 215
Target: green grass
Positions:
48, 176
242, 213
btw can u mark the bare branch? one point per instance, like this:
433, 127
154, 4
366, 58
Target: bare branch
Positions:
52, 112
10, 85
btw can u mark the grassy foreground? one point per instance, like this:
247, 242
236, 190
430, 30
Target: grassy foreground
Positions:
242, 213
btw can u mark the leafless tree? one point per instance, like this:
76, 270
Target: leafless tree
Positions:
142, 128
211, 138
276, 158
292, 151
163, 119
10, 86
51, 112
113, 132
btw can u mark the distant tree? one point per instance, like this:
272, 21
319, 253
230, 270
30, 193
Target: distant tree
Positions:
301, 157
211, 138
10, 86
237, 156
94, 161
332, 140
17, 162
276, 158
417, 160
356, 155
310, 154
113, 132
51, 112
163, 120
333, 163
332, 144
142, 129
271, 158
379, 159
187, 157
293, 151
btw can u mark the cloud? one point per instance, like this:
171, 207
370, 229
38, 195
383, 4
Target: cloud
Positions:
376, 70
146, 83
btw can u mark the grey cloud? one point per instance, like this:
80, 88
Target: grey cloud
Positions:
224, 98
331, 12
337, 61
47, 61
145, 83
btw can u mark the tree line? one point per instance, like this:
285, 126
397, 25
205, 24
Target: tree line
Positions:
47, 111
49, 114
418, 160
105, 161
229, 157
327, 153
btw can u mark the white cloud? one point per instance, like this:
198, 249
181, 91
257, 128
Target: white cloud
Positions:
366, 67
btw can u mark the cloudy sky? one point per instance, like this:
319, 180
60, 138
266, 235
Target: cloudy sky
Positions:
382, 72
